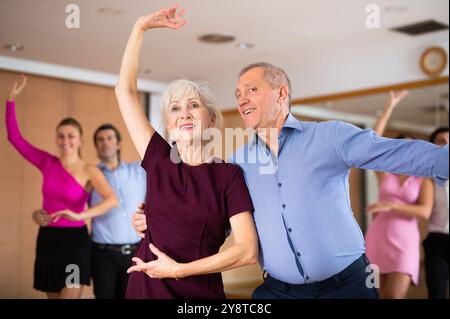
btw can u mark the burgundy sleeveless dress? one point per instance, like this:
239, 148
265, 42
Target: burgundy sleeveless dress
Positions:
187, 210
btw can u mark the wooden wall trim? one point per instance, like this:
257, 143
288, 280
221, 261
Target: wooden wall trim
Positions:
369, 91
230, 111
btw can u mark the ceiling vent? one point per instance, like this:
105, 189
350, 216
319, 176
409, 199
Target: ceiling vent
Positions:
420, 28
216, 38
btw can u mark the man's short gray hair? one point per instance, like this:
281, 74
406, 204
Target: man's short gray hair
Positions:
274, 75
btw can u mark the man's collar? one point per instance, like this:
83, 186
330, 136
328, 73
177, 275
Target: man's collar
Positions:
290, 122
102, 166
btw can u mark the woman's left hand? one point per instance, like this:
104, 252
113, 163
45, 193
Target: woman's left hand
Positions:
379, 207
70, 215
163, 267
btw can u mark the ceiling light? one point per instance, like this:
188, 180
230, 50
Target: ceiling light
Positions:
395, 9
110, 11
244, 46
144, 71
14, 47
216, 38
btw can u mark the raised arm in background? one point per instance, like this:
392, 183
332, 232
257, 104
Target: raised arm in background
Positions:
382, 120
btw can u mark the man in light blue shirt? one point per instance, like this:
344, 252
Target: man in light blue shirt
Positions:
114, 239
310, 244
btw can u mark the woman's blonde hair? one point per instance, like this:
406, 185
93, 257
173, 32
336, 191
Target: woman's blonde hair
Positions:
180, 88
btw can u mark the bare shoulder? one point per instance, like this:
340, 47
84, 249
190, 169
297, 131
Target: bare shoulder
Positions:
427, 182
91, 170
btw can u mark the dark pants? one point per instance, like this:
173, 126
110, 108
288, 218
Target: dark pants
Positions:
349, 283
109, 271
436, 247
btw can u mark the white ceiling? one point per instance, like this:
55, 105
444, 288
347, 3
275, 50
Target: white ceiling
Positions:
288, 33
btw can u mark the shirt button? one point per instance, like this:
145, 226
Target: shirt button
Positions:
298, 254
290, 230
284, 205
279, 184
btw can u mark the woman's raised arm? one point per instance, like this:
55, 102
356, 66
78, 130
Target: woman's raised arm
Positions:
126, 89
34, 155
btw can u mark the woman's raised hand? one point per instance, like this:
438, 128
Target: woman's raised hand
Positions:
164, 18
18, 87
396, 97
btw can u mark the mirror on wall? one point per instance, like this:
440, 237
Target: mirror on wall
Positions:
424, 109
419, 114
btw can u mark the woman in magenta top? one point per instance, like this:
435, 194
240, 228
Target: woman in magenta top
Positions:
192, 199
63, 241
393, 237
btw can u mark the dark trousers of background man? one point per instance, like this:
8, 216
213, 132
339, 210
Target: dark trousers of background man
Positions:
436, 248
109, 271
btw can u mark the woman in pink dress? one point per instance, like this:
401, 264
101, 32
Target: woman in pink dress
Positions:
393, 237
63, 256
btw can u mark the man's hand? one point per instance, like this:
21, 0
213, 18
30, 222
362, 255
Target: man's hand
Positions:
139, 222
41, 217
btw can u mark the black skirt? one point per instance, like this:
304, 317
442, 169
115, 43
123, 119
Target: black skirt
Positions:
63, 258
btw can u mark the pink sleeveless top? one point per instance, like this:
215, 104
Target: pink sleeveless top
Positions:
60, 189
